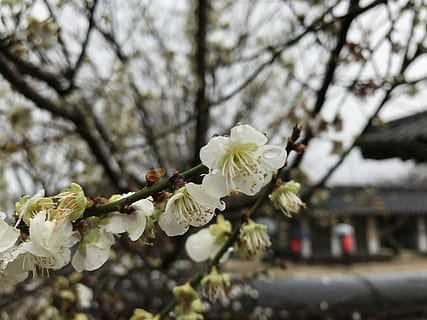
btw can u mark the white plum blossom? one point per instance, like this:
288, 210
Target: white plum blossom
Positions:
94, 249
189, 205
201, 246
285, 197
133, 223
72, 203
214, 285
206, 243
29, 206
50, 242
254, 240
242, 162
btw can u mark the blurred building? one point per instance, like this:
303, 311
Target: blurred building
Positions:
378, 221
405, 138
371, 223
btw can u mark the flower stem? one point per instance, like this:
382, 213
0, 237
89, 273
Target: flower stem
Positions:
195, 281
141, 194
198, 276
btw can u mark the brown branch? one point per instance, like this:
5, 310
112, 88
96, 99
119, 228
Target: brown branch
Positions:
277, 50
201, 105
18, 82
139, 104
27, 68
76, 117
308, 193
61, 41
72, 73
329, 75
404, 66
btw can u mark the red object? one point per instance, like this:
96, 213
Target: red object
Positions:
347, 243
295, 244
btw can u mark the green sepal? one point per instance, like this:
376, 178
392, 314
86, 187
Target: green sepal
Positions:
221, 229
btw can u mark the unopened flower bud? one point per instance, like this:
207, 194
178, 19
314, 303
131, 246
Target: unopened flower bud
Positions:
190, 316
141, 314
184, 295
189, 305
221, 230
80, 316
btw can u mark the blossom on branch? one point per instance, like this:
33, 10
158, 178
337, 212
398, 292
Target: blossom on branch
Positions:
285, 197
72, 202
95, 246
206, 243
242, 162
133, 223
28, 206
189, 205
50, 242
189, 306
214, 285
254, 240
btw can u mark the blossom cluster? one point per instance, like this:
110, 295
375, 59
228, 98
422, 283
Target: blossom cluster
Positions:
47, 228
51, 232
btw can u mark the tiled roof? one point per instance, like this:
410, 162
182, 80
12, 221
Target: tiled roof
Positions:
361, 201
405, 138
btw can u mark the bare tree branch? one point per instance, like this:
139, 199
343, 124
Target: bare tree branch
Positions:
76, 117
406, 62
91, 19
329, 75
201, 105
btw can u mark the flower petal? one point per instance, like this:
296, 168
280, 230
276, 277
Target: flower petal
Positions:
274, 156
135, 225
214, 184
94, 259
216, 147
170, 225
8, 236
13, 273
201, 245
62, 259
199, 193
202, 219
253, 184
144, 206
247, 134
116, 223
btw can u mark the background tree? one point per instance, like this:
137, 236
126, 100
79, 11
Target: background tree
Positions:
100, 91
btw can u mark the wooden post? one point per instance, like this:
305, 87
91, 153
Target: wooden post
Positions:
421, 234
372, 239
306, 251
336, 249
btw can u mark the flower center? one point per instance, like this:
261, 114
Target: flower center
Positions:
189, 209
36, 264
67, 205
240, 160
257, 238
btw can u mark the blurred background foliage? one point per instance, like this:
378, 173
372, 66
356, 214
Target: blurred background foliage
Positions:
99, 91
